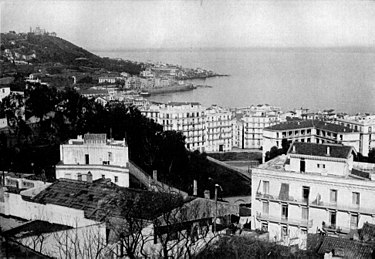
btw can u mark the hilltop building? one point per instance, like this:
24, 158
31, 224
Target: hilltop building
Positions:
310, 131
365, 125
314, 188
94, 157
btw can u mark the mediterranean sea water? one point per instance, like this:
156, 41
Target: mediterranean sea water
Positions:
341, 79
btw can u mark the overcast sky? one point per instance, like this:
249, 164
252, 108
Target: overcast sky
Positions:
105, 25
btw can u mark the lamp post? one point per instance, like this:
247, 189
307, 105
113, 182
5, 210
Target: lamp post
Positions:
215, 218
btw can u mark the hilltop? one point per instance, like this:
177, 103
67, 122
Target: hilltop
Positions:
32, 49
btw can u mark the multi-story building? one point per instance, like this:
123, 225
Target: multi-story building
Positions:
180, 116
365, 125
314, 131
93, 157
256, 119
219, 129
314, 188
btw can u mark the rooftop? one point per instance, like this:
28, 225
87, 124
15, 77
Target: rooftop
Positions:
98, 197
318, 124
313, 149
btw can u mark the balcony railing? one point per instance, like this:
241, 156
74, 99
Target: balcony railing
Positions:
320, 204
287, 221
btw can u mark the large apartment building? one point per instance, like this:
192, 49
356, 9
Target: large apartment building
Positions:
314, 188
365, 125
94, 157
206, 129
255, 119
310, 131
218, 129
187, 118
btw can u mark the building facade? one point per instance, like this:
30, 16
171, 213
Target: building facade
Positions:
365, 125
94, 157
314, 188
206, 129
310, 131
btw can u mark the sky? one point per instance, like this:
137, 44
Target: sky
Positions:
110, 25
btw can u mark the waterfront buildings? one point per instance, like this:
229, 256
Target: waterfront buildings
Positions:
365, 125
314, 188
94, 157
310, 131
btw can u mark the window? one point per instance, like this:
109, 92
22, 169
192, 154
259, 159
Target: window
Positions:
103, 176
87, 159
333, 196
353, 221
79, 177
305, 213
116, 179
284, 231
332, 219
355, 198
266, 187
110, 156
284, 211
266, 208
305, 193
302, 165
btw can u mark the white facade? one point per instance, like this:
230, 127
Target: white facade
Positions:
95, 155
187, 118
366, 127
310, 190
310, 131
219, 129
253, 128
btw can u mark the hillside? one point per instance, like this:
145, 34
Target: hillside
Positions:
40, 49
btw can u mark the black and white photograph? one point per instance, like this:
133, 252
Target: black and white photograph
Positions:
187, 129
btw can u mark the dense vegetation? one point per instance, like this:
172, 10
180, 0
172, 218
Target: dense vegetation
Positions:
50, 49
62, 115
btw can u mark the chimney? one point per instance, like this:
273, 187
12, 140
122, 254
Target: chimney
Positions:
195, 188
328, 151
207, 194
294, 149
89, 177
155, 175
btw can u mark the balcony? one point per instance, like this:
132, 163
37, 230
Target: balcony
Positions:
287, 221
315, 204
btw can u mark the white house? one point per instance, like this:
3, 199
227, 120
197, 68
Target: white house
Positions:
93, 156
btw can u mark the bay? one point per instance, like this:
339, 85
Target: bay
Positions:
342, 79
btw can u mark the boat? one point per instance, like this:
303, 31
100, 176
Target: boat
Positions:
144, 94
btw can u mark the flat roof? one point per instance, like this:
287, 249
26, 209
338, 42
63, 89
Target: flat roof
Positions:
318, 124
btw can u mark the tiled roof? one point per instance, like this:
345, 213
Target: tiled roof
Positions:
34, 228
318, 124
98, 197
345, 248
312, 149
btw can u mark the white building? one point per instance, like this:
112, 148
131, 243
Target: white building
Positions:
206, 130
107, 79
314, 131
365, 125
219, 129
187, 118
314, 188
94, 157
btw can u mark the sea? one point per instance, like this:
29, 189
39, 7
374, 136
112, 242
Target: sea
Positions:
342, 79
